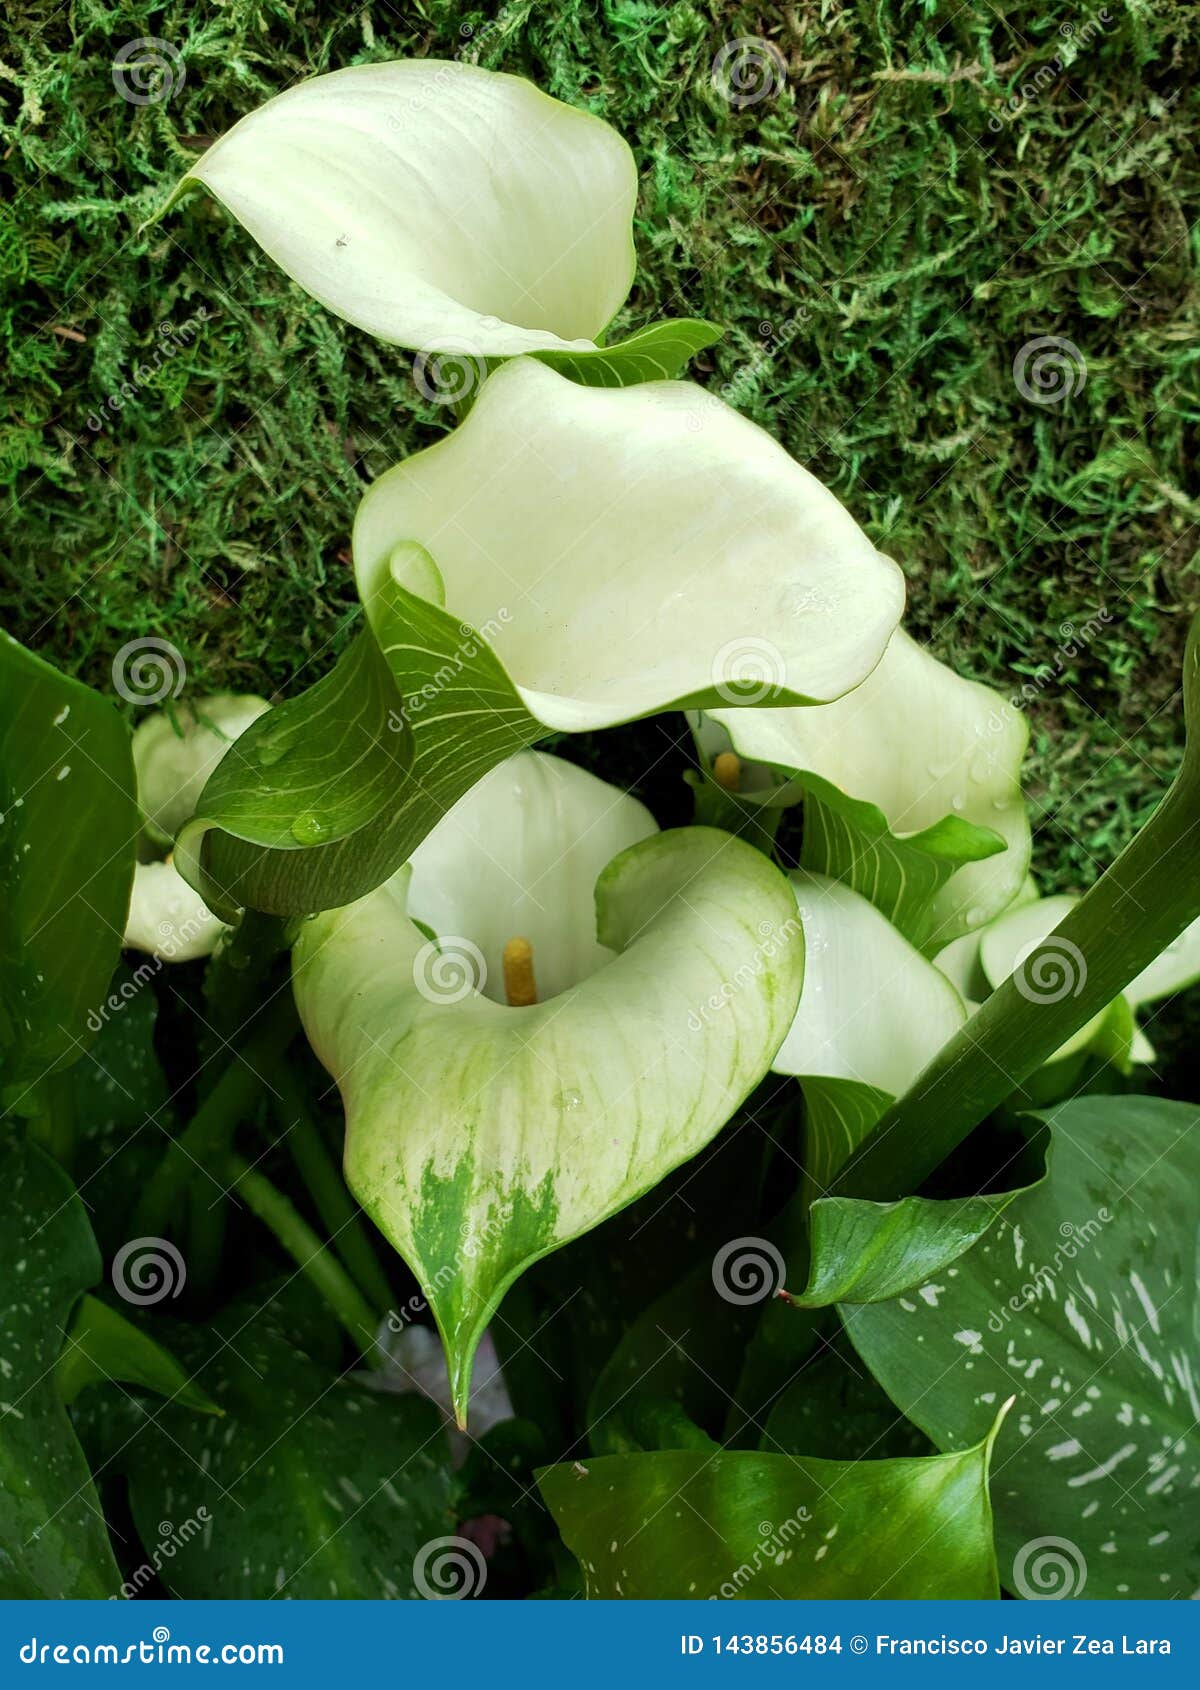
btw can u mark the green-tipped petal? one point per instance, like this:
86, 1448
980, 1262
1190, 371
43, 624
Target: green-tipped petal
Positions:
437, 205
480, 1137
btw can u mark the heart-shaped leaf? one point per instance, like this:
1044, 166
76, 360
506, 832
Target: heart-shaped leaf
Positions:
741, 1525
1082, 1299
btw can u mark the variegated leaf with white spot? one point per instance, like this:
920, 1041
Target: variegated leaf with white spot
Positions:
1083, 1299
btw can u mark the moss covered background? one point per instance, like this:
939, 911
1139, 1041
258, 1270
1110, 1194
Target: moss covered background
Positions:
926, 190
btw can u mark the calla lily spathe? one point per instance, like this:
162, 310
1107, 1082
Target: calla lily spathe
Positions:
436, 205
480, 1136
937, 759
173, 759
872, 1013
628, 550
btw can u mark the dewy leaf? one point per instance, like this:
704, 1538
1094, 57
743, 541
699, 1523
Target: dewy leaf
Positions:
437, 205
912, 786
68, 830
742, 1525
481, 1136
311, 1486
871, 1014
52, 1537
102, 1346
1083, 1300
298, 814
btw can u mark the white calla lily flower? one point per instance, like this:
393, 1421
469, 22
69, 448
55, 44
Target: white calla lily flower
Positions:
167, 918
872, 1014
1006, 947
916, 753
437, 205
627, 550
173, 759
547, 1057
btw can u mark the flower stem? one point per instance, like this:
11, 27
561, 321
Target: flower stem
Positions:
337, 1209
1128, 918
210, 1131
314, 1259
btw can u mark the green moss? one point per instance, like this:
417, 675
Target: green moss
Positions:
881, 238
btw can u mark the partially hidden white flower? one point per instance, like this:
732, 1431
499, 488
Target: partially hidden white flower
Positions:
173, 759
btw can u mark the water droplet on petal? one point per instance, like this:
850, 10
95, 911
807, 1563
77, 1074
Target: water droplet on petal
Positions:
308, 829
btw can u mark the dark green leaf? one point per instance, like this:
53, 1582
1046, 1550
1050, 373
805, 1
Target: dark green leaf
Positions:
68, 827
655, 353
52, 1537
1083, 1300
294, 817
833, 1408
102, 1346
311, 1486
739, 1524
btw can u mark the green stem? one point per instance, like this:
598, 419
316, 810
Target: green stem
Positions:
337, 1209
205, 1235
315, 1260
1129, 917
210, 1131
